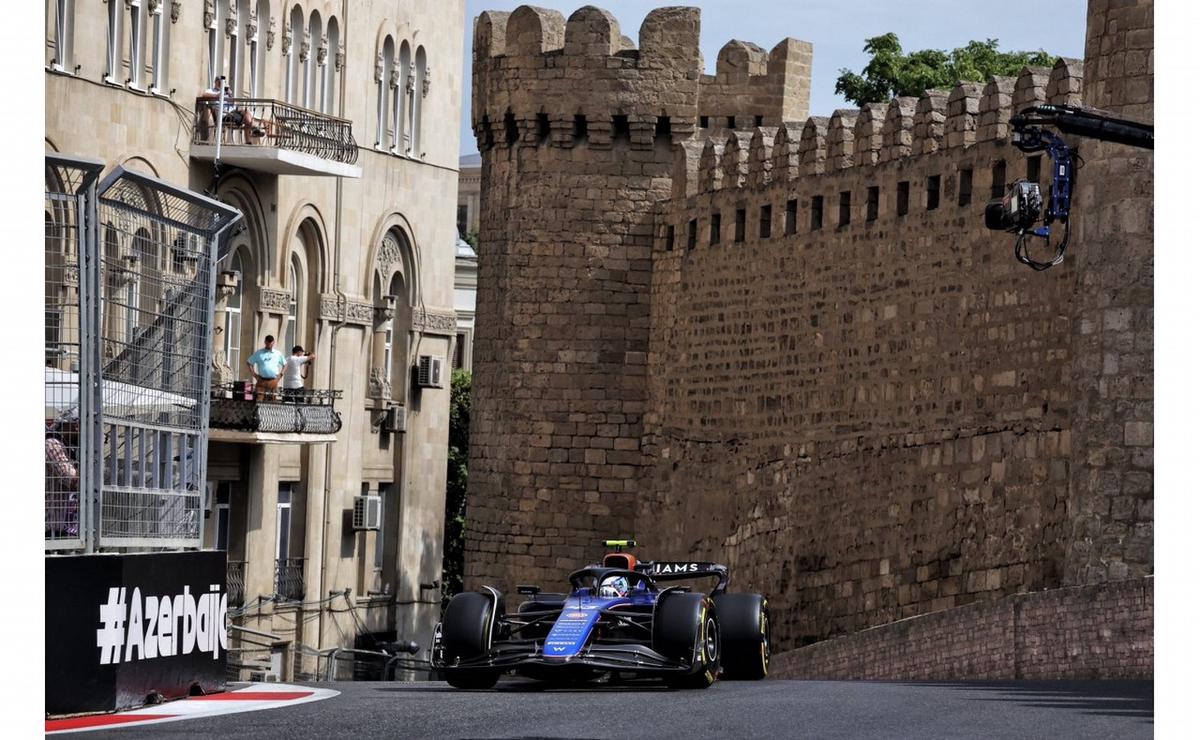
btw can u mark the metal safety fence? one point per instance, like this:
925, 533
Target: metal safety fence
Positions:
140, 401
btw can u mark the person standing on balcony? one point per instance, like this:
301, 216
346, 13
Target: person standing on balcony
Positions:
294, 373
265, 366
232, 113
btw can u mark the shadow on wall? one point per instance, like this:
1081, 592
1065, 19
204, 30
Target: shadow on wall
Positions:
1104, 698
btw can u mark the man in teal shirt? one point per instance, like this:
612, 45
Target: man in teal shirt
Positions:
265, 365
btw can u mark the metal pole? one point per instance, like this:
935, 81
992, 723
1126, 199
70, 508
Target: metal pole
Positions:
90, 403
220, 118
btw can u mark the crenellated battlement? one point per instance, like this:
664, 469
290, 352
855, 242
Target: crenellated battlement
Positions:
938, 121
542, 79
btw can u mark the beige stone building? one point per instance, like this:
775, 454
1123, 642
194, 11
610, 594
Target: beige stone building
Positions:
340, 148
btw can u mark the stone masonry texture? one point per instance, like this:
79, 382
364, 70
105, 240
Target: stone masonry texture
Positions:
788, 343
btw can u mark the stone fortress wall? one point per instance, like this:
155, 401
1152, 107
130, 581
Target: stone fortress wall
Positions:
870, 413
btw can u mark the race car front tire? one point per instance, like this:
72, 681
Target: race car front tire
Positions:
686, 629
467, 630
745, 636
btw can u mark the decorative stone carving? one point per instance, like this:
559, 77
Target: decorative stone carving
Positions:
286, 46
360, 312
410, 84
251, 30
328, 309
322, 52
227, 283
222, 373
305, 48
379, 67
425, 84
153, 7
275, 301
385, 312
339, 59
394, 78
389, 253
231, 23
435, 322
378, 385
71, 274
270, 33
176, 7
210, 13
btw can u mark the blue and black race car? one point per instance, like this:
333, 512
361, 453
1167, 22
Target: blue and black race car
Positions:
619, 617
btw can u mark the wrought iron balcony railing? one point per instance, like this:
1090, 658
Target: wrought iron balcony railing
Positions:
275, 124
240, 407
289, 579
235, 582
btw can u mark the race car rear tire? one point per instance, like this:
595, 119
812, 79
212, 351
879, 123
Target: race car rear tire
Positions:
467, 626
745, 636
686, 629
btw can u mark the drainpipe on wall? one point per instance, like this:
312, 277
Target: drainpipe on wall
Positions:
342, 303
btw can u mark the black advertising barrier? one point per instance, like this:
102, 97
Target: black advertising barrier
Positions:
120, 627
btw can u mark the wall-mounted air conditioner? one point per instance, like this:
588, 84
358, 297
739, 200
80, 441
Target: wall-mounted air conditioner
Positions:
367, 512
395, 421
429, 371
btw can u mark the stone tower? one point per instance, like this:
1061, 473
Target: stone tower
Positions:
576, 127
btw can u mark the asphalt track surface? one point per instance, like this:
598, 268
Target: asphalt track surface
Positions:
764, 709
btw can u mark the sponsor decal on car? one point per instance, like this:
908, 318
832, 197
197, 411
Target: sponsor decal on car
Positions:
672, 568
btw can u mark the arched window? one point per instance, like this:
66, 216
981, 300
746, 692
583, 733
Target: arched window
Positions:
311, 71
258, 50
145, 301
112, 58
233, 316
60, 32
237, 50
294, 70
333, 41
137, 42
402, 101
385, 74
393, 351
216, 41
161, 52
416, 93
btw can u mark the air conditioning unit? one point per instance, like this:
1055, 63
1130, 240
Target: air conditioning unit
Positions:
367, 512
429, 371
395, 420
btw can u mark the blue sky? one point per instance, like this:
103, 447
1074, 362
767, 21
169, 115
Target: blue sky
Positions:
837, 29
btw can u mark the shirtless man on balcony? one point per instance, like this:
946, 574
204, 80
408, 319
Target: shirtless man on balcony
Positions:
232, 113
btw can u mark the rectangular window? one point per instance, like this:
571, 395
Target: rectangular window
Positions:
283, 521
902, 198
662, 130
462, 219
739, 225
691, 234
385, 496
730, 122
844, 208
223, 498
670, 238
758, 121
764, 222
817, 219
115, 39
966, 183
460, 346
933, 192
703, 121
999, 175
62, 33
543, 127
714, 229
789, 220
1033, 168
872, 202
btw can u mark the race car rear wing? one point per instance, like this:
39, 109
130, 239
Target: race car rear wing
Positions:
679, 571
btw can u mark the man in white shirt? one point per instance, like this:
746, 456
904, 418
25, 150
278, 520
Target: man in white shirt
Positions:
293, 372
233, 115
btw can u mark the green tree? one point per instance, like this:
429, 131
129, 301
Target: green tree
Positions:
456, 484
891, 73
472, 238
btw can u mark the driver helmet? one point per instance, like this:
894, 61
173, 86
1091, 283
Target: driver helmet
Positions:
614, 586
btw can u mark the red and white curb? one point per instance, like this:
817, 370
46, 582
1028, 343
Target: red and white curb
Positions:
251, 698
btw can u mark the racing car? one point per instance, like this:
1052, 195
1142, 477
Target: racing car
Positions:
619, 618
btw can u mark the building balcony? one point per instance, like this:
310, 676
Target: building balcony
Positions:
302, 416
283, 139
289, 579
235, 582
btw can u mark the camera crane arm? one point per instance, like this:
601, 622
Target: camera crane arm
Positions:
1021, 207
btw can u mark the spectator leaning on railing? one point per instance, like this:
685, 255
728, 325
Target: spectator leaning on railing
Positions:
232, 114
265, 365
